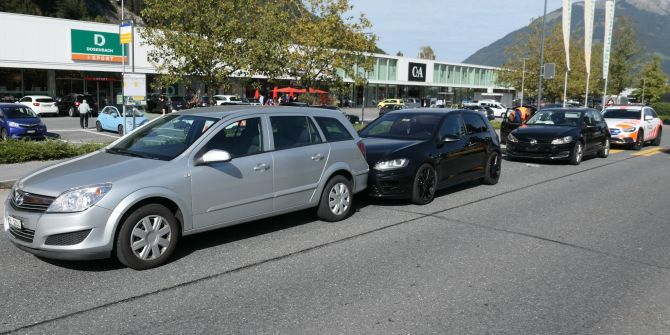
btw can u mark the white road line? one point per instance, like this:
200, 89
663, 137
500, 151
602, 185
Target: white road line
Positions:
84, 130
100, 133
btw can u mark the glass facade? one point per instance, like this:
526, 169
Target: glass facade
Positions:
16, 83
463, 75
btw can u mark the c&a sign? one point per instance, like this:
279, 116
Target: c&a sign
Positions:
416, 72
96, 46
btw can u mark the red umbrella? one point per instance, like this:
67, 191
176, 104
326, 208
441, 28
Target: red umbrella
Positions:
257, 94
274, 93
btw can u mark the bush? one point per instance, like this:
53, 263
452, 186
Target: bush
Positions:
662, 108
18, 151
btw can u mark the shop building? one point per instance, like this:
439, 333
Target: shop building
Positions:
49, 56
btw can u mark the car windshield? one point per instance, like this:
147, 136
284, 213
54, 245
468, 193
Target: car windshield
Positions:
18, 112
633, 114
403, 126
164, 138
556, 117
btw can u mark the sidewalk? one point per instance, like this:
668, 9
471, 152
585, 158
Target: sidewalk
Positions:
9, 173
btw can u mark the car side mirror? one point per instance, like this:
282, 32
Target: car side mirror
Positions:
214, 156
648, 117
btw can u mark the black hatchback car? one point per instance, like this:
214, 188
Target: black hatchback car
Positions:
414, 152
560, 134
69, 104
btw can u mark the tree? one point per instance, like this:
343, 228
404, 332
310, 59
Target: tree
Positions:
653, 82
20, 6
399, 54
625, 51
527, 46
72, 9
426, 52
212, 40
326, 41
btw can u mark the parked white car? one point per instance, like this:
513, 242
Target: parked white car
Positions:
498, 108
221, 99
40, 104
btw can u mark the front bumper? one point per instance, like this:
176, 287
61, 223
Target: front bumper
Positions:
394, 184
32, 133
543, 151
68, 236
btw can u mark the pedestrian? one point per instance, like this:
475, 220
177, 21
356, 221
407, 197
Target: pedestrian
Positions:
84, 110
162, 104
261, 99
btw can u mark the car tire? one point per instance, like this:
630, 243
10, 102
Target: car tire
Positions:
98, 126
336, 200
147, 238
4, 134
492, 169
70, 112
119, 130
657, 140
639, 143
425, 184
605, 151
577, 153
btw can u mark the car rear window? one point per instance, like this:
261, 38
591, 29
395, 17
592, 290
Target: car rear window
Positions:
632, 114
333, 129
45, 100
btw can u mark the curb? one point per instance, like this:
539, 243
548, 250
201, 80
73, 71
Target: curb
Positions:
7, 184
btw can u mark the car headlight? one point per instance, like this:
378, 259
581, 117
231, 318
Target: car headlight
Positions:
562, 140
13, 124
79, 199
629, 130
512, 138
392, 164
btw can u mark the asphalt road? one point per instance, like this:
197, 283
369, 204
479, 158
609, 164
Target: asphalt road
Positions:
551, 249
67, 128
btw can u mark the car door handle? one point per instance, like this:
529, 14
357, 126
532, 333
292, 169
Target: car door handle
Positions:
317, 157
262, 167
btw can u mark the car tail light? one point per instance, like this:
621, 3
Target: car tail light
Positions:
76, 103
36, 104
361, 147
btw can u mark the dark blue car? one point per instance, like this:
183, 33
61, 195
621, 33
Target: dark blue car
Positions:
19, 121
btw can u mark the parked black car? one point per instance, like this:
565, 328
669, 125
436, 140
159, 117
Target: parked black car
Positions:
69, 104
414, 152
389, 108
560, 134
351, 117
508, 124
177, 103
486, 111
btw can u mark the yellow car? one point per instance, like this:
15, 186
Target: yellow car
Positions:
390, 102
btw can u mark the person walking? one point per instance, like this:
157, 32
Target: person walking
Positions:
84, 110
162, 104
261, 99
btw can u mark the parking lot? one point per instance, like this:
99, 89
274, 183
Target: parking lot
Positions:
68, 129
551, 248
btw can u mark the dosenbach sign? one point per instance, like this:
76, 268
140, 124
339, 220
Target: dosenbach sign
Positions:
96, 46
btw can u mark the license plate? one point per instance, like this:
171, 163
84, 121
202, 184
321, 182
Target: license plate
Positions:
31, 131
47, 105
14, 222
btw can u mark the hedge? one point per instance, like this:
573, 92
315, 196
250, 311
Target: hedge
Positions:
18, 151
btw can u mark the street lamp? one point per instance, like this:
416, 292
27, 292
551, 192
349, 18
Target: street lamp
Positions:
523, 79
644, 82
539, 90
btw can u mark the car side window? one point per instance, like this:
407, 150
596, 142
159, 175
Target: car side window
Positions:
26, 100
290, 131
653, 113
452, 126
597, 116
474, 123
333, 129
588, 119
647, 112
314, 136
239, 138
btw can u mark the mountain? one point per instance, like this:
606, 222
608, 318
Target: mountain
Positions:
652, 18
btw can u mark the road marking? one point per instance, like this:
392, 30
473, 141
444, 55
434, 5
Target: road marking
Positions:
649, 152
84, 130
100, 133
616, 151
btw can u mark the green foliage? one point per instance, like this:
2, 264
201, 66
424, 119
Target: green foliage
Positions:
426, 52
662, 108
623, 56
71, 9
17, 151
653, 82
20, 7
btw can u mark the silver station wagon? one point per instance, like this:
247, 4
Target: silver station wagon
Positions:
185, 173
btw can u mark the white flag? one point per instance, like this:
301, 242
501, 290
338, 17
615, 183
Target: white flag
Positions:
567, 18
609, 26
589, 12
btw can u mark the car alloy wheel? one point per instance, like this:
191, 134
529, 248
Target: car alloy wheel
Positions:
336, 199
425, 182
492, 170
98, 126
70, 112
4, 135
605, 151
639, 143
147, 237
339, 199
577, 153
657, 140
119, 129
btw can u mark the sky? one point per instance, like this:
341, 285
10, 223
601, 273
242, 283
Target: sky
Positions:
455, 29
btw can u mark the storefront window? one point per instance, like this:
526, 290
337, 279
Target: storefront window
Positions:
10, 84
35, 81
383, 69
393, 69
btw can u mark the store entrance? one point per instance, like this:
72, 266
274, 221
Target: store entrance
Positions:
102, 89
